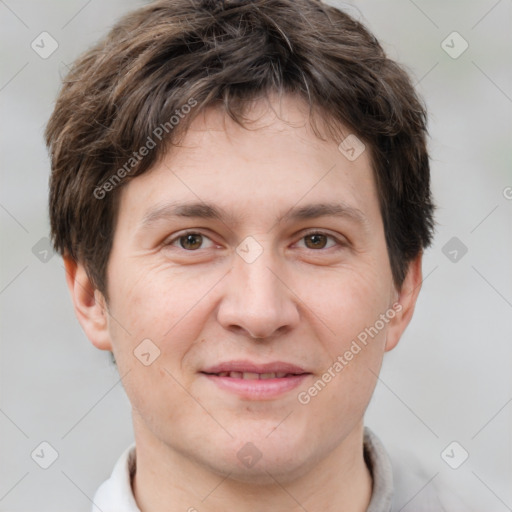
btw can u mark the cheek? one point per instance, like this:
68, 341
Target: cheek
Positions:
166, 305
156, 300
159, 305
158, 400
347, 300
350, 305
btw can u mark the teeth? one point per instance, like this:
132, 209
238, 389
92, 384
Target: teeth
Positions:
250, 376
254, 376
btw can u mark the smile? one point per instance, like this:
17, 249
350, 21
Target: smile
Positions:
256, 386
254, 376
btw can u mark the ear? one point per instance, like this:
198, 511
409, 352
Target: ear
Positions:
405, 301
89, 303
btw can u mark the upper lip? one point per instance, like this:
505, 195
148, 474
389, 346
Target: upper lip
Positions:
250, 367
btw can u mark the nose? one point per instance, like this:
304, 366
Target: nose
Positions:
257, 300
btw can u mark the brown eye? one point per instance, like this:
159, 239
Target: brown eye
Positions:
315, 241
191, 241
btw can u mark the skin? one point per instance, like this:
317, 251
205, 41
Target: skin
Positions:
297, 302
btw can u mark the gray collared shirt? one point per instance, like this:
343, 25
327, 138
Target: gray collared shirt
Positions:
395, 488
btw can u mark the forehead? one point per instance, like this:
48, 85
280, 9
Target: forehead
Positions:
273, 163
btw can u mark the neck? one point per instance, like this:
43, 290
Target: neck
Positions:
166, 480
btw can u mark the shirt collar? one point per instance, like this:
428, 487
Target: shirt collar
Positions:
116, 493
380, 467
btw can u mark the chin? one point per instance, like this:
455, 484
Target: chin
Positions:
269, 472
262, 462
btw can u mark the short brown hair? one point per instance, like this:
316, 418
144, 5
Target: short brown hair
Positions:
207, 53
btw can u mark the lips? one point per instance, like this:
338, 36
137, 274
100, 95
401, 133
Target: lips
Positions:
254, 376
248, 370
252, 381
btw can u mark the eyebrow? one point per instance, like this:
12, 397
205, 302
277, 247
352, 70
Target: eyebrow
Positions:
202, 210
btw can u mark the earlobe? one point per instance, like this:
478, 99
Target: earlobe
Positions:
89, 304
404, 307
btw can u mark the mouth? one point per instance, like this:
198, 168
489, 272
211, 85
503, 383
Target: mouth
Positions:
256, 382
254, 376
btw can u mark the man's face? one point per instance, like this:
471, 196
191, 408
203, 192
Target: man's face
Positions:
266, 281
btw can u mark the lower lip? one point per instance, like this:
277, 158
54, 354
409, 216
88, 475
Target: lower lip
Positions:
258, 389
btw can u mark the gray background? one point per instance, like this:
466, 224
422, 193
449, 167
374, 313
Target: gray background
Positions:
449, 379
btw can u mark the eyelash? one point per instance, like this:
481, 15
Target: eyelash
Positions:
338, 242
